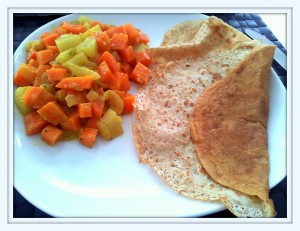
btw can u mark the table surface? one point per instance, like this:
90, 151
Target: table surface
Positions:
24, 24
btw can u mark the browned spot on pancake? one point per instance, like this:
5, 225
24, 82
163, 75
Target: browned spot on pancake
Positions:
217, 76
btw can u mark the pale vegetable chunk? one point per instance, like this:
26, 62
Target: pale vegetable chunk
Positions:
85, 19
88, 47
67, 41
138, 47
35, 45
114, 101
49, 87
65, 55
22, 107
89, 32
110, 125
77, 70
78, 59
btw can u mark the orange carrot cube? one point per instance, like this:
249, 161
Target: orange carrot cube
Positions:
88, 137
84, 110
51, 134
53, 113
34, 123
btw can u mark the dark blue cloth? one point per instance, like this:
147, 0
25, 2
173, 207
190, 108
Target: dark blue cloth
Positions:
24, 24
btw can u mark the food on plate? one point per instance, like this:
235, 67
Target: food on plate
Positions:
229, 126
183, 32
195, 32
77, 78
180, 71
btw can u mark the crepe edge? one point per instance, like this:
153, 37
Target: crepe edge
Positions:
268, 206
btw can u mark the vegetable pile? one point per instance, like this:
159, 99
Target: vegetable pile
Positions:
76, 79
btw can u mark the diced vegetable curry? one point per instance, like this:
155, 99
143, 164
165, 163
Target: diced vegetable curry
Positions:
76, 79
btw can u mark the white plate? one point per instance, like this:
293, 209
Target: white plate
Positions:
69, 180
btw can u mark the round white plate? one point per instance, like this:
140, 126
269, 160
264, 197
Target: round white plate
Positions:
69, 180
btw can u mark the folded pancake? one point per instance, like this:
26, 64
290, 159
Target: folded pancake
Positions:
229, 126
193, 32
184, 32
166, 104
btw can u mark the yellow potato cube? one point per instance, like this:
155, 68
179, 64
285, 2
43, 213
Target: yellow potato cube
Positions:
65, 55
81, 70
18, 98
110, 125
67, 41
88, 47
